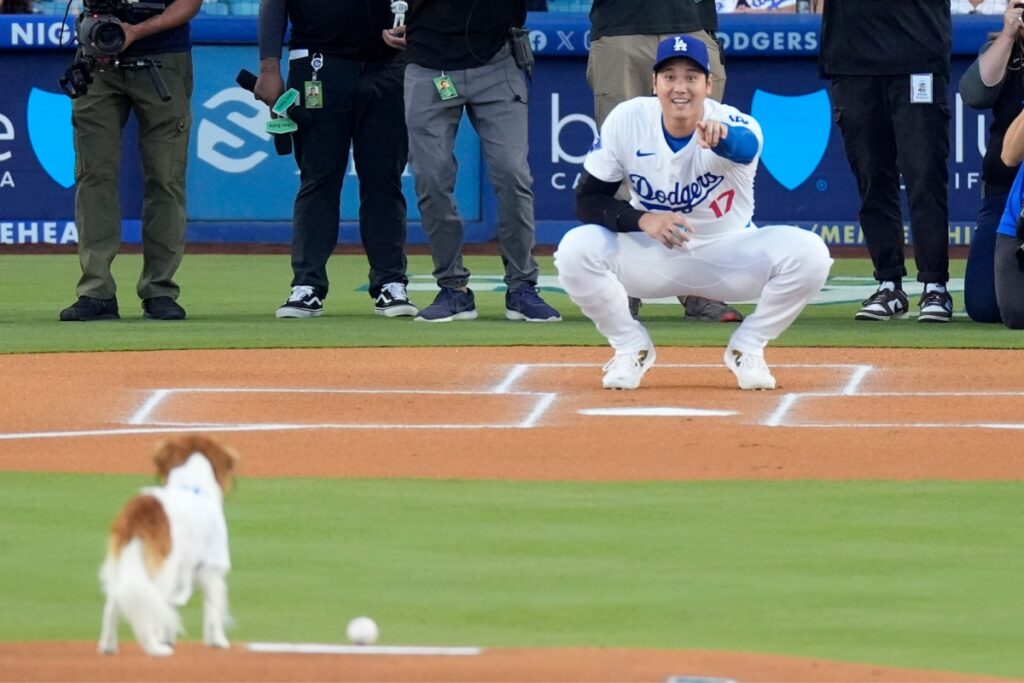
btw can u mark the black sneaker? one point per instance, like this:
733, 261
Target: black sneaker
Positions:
303, 302
449, 304
393, 301
936, 307
88, 308
162, 308
885, 304
702, 310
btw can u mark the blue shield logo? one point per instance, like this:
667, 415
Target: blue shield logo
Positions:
796, 131
50, 134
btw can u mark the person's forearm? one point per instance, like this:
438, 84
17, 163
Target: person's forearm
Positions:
740, 145
596, 203
992, 62
176, 14
272, 22
1013, 143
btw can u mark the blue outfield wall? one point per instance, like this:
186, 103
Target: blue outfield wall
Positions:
239, 190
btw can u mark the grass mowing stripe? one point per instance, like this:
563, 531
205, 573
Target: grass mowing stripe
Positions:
917, 574
231, 301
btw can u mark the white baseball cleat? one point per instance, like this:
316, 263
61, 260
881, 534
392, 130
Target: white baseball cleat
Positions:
626, 369
750, 369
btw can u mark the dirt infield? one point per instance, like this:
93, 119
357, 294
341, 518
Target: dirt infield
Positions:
79, 662
516, 413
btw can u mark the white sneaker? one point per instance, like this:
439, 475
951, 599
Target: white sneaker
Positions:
750, 369
625, 370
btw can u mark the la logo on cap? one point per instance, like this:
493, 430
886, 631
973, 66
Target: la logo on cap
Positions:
680, 45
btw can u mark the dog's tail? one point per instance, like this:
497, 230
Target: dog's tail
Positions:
154, 622
139, 545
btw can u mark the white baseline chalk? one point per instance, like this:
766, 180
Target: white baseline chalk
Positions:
327, 649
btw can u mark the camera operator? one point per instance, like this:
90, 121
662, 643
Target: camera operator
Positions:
1009, 237
464, 56
152, 39
994, 81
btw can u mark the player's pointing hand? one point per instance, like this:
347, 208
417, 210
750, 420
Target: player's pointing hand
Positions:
709, 133
670, 228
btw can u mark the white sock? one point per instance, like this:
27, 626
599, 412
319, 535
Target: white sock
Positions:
935, 287
887, 284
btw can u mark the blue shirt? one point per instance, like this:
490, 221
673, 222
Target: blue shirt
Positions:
1014, 201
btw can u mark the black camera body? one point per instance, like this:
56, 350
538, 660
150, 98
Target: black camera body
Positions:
101, 38
100, 35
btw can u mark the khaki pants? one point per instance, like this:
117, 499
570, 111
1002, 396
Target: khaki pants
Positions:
619, 68
98, 119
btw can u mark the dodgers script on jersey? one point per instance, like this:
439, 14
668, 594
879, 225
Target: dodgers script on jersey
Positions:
715, 194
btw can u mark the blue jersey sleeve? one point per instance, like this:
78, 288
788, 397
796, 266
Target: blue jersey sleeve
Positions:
739, 146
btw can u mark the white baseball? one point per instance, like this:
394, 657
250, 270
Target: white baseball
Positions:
362, 631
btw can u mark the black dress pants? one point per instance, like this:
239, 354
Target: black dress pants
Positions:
363, 107
885, 135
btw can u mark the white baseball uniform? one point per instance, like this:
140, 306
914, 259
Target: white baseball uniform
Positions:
727, 258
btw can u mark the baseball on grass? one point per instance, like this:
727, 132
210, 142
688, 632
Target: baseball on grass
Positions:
362, 631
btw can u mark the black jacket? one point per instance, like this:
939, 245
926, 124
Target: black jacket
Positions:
343, 28
460, 34
885, 37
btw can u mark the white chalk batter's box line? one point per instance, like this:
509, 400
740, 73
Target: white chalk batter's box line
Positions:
144, 416
787, 401
141, 421
541, 402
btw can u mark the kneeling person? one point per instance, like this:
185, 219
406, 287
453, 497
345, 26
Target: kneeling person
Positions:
687, 228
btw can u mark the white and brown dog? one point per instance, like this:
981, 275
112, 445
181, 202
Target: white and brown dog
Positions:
163, 540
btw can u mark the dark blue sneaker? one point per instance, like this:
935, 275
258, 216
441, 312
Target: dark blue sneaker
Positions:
449, 304
162, 308
525, 304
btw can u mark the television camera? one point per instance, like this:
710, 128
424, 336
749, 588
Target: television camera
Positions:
100, 32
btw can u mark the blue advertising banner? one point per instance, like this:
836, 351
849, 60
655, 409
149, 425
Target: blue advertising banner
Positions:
37, 157
803, 178
240, 190
235, 174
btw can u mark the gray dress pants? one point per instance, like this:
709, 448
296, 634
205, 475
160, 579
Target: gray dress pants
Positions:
494, 97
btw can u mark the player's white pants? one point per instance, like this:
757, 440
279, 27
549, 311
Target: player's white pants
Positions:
782, 265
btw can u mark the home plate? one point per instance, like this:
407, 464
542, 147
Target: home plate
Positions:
328, 649
656, 412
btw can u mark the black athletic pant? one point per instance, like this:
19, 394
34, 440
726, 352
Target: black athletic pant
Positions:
1009, 281
363, 106
885, 135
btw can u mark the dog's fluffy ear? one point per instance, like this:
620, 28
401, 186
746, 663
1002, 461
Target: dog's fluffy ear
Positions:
170, 453
173, 452
222, 458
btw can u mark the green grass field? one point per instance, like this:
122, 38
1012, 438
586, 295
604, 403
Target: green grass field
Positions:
914, 574
909, 574
231, 302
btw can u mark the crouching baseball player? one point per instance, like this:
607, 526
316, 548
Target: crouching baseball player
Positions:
687, 228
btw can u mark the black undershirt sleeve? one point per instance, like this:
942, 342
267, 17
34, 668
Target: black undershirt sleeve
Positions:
272, 22
596, 203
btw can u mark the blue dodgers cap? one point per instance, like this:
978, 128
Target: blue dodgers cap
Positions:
683, 46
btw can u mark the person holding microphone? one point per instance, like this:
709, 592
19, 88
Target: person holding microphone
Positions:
350, 85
